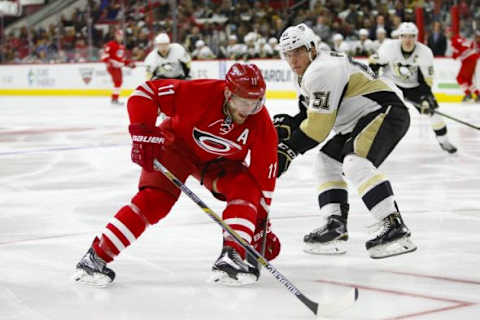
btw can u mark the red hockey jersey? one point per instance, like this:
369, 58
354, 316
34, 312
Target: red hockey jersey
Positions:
114, 54
464, 48
195, 112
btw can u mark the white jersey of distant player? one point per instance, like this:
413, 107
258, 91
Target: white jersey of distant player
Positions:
334, 78
169, 66
236, 50
404, 71
322, 46
343, 47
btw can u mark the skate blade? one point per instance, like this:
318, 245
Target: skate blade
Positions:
222, 278
395, 248
331, 248
93, 280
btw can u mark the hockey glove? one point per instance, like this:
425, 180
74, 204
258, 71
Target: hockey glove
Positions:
147, 142
299, 143
272, 243
428, 104
285, 155
284, 124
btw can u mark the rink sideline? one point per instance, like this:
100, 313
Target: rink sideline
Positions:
65, 170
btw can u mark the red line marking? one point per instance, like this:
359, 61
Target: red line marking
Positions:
457, 303
417, 314
418, 275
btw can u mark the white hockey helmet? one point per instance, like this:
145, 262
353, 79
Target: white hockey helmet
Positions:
337, 37
407, 28
297, 36
363, 32
162, 38
272, 41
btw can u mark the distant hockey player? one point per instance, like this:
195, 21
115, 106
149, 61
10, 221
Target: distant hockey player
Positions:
339, 45
362, 47
211, 127
167, 60
468, 53
202, 51
409, 64
368, 117
114, 56
381, 38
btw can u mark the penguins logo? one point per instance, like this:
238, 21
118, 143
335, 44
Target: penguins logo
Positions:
214, 144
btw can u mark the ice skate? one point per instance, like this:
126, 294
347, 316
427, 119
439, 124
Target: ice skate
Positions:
393, 238
467, 98
330, 238
448, 147
116, 102
231, 270
92, 271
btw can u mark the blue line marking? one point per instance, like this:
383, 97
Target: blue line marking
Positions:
56, 149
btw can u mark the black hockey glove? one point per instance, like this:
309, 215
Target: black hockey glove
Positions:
286, 124
299, 143
285, 155
428, 104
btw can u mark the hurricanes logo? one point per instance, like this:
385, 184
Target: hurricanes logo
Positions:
87, 74
213, 144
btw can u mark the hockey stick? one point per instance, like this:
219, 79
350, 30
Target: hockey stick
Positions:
457, 120
318, 309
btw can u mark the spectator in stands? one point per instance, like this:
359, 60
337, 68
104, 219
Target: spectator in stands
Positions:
322, 28
379, 23
192, 39
437, 40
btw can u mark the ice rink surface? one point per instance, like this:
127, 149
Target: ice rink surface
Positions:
65, 170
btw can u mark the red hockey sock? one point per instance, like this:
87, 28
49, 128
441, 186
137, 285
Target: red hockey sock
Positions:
240, 216
148, 206
119, 233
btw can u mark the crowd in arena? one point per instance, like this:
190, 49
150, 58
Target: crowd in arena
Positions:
236, 29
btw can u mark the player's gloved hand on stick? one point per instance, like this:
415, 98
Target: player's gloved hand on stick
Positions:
147, 143
284, 124
428, 104
285, 155
272, 244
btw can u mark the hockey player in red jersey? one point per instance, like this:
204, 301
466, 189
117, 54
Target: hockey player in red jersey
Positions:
468, 52
114, 55
210, 127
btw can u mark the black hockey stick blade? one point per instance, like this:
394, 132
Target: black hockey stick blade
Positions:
318, 309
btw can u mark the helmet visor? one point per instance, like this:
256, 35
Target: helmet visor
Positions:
246, 106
